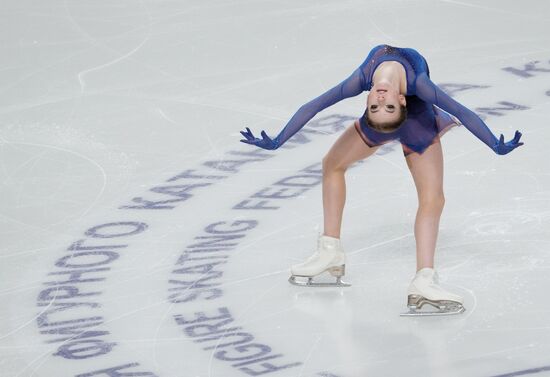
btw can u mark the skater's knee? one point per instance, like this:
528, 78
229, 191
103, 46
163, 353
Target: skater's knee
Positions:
332, 164
432, 201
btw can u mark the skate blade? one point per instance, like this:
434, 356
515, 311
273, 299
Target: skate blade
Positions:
440, 311
295, 280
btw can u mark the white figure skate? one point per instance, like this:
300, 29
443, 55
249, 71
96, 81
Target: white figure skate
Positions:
328, 257
425, 289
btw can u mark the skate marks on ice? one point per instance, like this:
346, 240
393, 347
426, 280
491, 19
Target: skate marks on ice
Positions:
73, 168
505, 223
196, 277
101, 45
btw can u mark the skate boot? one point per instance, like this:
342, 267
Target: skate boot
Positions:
425, 289
328, 257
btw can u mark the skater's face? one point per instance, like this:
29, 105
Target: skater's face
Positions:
384, 104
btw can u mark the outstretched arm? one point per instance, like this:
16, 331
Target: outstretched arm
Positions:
350, 87
431, 93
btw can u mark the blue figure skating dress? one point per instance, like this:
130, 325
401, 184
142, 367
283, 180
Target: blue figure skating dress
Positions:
424, 121
431, 111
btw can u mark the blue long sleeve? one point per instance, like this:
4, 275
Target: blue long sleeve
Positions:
431, 93
350, 87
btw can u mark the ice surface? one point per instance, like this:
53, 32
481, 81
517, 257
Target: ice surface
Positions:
104, 102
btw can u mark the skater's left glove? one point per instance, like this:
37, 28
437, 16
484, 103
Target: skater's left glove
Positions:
265, 142
502, 148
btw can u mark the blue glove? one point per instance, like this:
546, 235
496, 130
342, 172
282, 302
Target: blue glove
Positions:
265, 142
502, 148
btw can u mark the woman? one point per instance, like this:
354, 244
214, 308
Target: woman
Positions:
392, 76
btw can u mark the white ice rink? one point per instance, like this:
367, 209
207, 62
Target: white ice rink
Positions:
139, 237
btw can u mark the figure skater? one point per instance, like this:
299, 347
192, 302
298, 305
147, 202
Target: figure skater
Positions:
403, 104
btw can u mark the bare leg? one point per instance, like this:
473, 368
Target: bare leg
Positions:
427, 172
348, 149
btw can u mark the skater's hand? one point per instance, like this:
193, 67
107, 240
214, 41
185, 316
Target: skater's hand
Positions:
502, 148
265, 142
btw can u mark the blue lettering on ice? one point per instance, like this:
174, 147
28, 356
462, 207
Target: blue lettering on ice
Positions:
68, 294
231, 344
286, 188
185, 185
118, 372
334, 123
499, 110
196, 275
483, 112
88, 261
178, 190
525, 372
527, 70
121, 229
451, 88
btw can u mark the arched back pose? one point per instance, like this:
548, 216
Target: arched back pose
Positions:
401, 105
